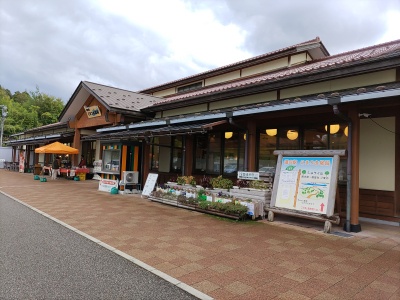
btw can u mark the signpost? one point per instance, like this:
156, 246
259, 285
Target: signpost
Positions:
305, 185
150, 184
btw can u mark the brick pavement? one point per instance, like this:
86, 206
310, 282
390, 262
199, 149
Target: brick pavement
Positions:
224, 259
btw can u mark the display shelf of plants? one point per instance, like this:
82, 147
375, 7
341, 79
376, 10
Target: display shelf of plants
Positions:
214, 196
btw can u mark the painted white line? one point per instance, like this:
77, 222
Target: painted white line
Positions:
166, 277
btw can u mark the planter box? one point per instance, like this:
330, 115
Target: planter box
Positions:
253, 194
222, 200
218, 213
195, 208
255, 209
216, 191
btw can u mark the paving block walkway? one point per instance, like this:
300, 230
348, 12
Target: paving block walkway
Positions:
222, 258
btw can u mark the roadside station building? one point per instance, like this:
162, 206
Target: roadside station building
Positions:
232, 119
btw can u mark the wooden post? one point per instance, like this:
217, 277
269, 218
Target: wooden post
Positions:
355, 168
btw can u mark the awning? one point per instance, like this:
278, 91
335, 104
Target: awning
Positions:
155, 131
37, 140
57, 148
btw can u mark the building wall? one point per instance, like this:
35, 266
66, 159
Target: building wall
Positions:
245, 100
314, 88
377, 154
257, 69
266, 67
164, 93
185, 110
298, 58
340, 84
222, 78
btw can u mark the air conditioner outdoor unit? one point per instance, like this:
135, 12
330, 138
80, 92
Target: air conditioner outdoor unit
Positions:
130, 177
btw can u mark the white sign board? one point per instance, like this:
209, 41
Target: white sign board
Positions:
305, 184
105, 185
150, 184
248, 175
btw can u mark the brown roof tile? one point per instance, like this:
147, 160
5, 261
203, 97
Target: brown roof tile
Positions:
121, 99
325, 63
255, 58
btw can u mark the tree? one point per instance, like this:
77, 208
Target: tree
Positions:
27, 110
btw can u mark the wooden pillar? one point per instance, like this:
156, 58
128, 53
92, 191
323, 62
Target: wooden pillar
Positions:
251, 146
146, 161
397, 166
355, 168
77, 145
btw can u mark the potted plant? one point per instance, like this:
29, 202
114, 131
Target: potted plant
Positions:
181, 180
221, 183
206, 182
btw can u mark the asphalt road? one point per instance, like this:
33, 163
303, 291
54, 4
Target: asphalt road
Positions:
40, 259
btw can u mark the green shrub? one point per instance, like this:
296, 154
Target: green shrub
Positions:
221, 183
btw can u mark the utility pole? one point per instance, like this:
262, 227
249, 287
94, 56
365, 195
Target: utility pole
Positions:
3, 118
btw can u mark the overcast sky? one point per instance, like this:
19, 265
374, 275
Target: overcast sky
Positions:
137, 44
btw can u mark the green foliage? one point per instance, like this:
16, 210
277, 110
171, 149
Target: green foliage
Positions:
258, 184
27, 110
221, 183
186, 180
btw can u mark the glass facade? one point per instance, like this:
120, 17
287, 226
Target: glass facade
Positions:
223, 153
167, 154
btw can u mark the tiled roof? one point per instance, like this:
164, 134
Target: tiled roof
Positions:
334, 61
48, 127
121, 99
255, 59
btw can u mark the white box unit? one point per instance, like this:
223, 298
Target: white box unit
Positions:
130, 177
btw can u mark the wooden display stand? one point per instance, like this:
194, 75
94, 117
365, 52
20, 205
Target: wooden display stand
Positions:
305, 185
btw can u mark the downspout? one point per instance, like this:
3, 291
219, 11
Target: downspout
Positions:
349, 171
247, 140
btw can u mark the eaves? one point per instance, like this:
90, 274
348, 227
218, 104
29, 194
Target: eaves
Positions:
320, 75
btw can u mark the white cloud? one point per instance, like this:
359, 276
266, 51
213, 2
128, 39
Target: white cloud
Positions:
392, 27
139, 44
191, 35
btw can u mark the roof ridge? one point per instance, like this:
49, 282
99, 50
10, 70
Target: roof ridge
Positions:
112, 87
315, 40
298, 69
356, 50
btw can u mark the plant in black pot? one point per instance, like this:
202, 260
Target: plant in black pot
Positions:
206, 182
242, 183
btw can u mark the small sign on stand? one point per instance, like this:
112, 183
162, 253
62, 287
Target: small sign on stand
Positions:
150, 184
305, 185
105, 185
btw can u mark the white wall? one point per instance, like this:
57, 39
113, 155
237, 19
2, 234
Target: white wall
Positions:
377, 154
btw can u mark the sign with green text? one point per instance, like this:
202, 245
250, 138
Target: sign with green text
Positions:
304, 184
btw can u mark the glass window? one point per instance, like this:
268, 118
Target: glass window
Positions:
155, 156
167, 153
267, 159
231, 152
177, 151
164, 159
288, 139
214, 153
338, 136
315, 138
189, 87
242, 145
111, 160
200, 152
